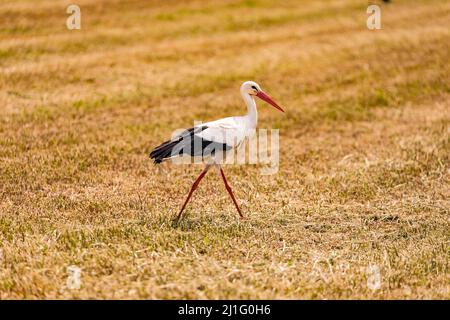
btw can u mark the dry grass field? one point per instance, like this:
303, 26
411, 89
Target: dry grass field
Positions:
364, 176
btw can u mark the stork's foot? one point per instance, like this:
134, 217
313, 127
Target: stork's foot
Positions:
175, 222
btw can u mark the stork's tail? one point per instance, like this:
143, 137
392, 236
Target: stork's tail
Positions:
163, 151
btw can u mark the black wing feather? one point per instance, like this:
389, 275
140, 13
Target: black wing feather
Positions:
188, 142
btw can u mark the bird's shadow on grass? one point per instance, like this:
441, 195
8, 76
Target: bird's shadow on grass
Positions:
186, 224
194, 223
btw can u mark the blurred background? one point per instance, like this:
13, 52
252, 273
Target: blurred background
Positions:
364, 155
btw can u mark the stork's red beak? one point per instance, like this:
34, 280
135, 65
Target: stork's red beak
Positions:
263, 96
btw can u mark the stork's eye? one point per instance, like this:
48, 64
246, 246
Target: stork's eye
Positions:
254, 87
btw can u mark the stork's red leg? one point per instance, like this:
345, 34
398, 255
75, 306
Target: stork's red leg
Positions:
194, 186
227, 186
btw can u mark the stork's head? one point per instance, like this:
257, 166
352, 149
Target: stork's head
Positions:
253, 89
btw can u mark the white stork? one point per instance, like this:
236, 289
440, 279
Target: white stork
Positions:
209, 140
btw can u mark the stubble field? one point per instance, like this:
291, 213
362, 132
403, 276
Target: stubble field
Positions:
364, 174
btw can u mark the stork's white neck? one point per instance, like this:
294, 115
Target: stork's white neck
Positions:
252, 113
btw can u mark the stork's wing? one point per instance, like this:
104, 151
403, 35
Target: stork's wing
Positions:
202, 140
